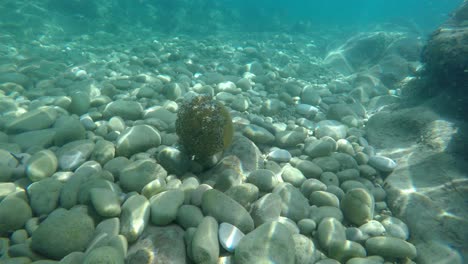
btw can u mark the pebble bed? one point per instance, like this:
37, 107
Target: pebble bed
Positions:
90, 169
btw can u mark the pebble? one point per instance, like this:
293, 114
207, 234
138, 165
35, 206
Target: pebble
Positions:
319, 213
73, 154
292, 175
189, 216
205, 243
306, 252
128, 110
6, 188
328, 164
106, 202
322, 198
307, 110
293, 203
139, 173
312, 185
229, 236
164, 206
244, 194
308, 168
382, 163
279, 155
358, 206
373, 228
269, 243
320, 147
264, 179
36, 119
288, 138
166, 242
14, 212
344, 250
104, 254
394, 227
224, 209
80, 102
103, 151
68, 129
41, 165
137, 139
330, 128
44, 195
306, 226
330, 231
266, 209
391, 247
173, 160
61, 233
134, 217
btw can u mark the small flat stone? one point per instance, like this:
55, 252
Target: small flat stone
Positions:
139, 173
39, 118
134, 217
14, 212
264, 179
44, 195
279, 155
391, 247
189, 216
61, 233
41, 165
258, 134
331, 128
229, 236
137, 139
105, 201
358, 206
205, 243
271, 242
330, 231
73, 154
225, 209
293, 203
286, 139
164, 206
128, 110
382, 163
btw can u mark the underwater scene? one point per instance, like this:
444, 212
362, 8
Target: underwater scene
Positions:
233, 131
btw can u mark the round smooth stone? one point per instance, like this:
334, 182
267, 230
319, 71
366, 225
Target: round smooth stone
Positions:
395, 227
264, 179
263, 245
330, 231
373, 228
14, 212
306, 110
205, 244
137, 139
41, 165
289, 138
320, 148
225, 209
382, 163
229, 236
105, 254
61, 233
391, 247
358, 206
331, 128
279, 155
322, 198
258, 134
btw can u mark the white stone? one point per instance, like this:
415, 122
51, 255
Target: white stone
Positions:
229, 236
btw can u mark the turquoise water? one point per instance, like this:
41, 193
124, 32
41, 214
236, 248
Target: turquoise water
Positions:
331, 119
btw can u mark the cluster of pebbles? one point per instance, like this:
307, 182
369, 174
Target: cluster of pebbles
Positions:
90, 170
